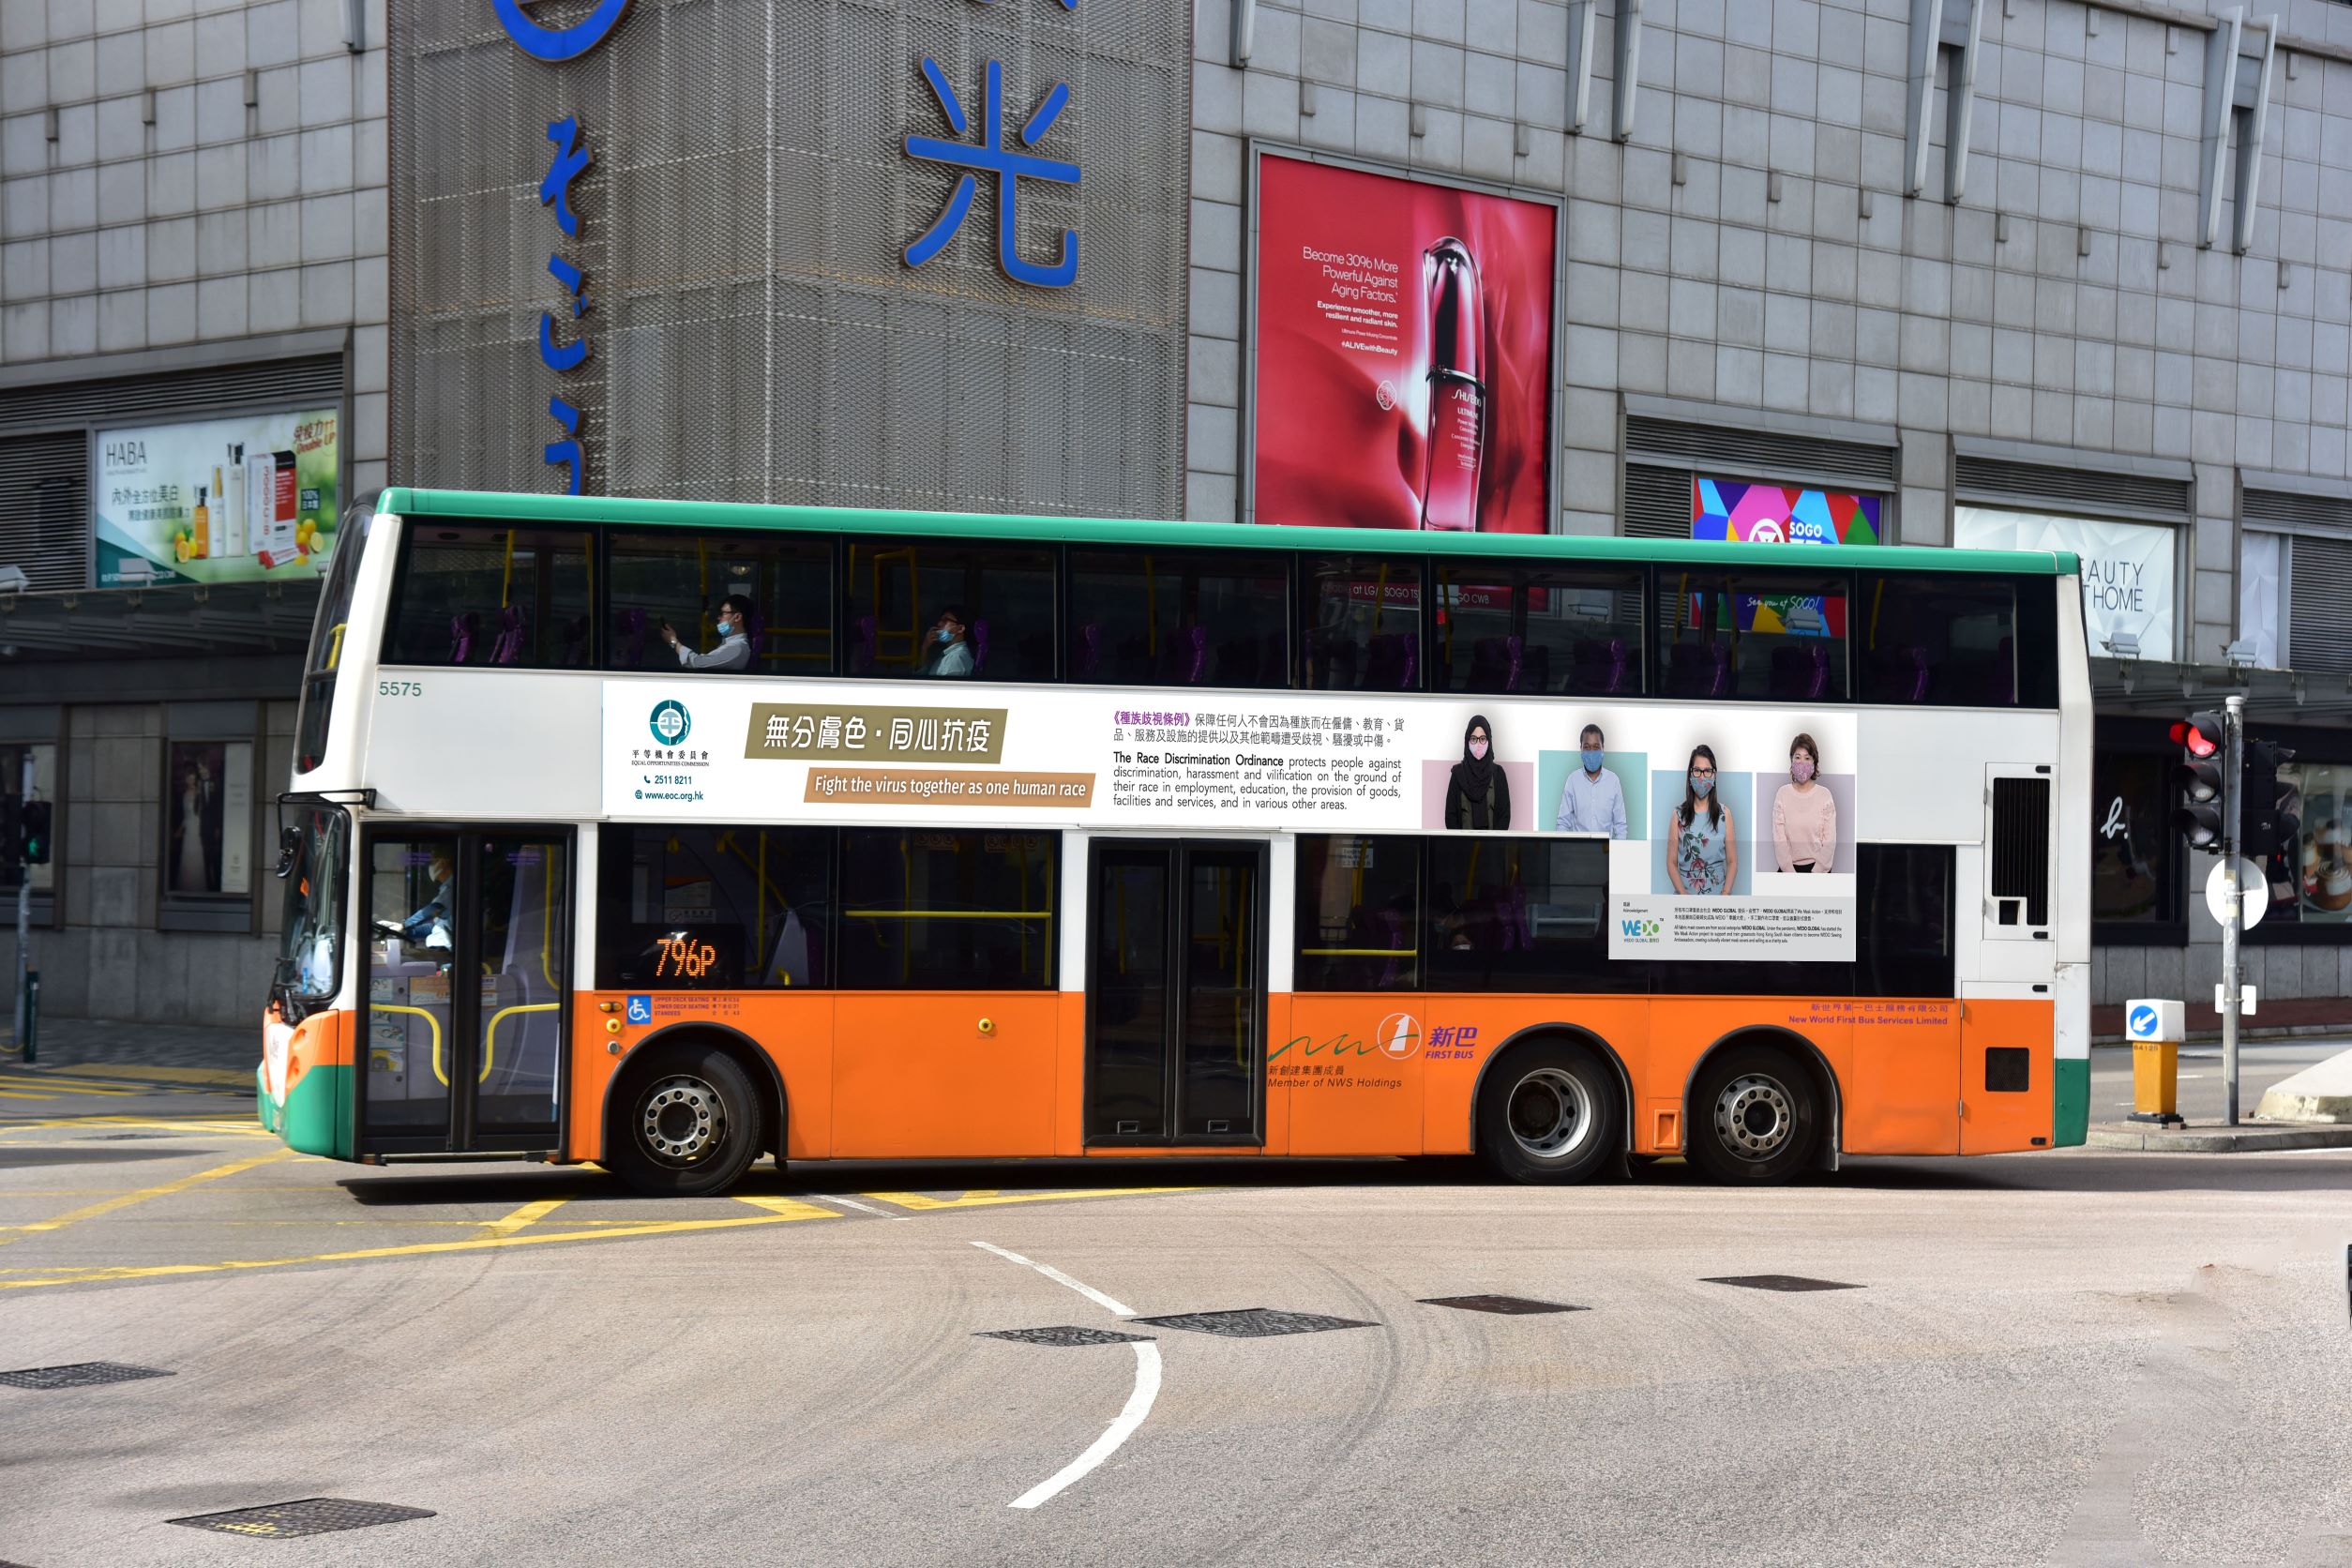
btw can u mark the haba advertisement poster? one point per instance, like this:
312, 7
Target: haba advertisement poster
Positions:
220, 500
1404, 352
1731, 834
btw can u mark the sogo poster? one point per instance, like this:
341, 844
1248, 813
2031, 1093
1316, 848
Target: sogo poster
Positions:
1404, 352
220, 500
1763, 870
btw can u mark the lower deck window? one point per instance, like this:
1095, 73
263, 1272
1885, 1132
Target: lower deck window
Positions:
714, 908
947, 911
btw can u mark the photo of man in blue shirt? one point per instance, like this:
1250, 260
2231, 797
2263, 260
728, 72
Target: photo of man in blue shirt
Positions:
1595, 801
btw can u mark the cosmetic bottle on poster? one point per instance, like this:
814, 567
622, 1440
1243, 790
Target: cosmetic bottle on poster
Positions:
230, 523
1457, 446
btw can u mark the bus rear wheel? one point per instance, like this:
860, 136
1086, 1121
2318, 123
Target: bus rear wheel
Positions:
1755, 1118
689, 1124
1548, 1112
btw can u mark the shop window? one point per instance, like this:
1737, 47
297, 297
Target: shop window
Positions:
677, 581
484, 596
714, 907
1948, 639
1175, 618
2310, 883
2135, 866
1774, 637
207, 839
1360, 624
1501, 626
948, 912
922, 608
1359, 914
1518, 915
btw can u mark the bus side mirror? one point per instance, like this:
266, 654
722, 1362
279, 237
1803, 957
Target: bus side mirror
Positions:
288, 851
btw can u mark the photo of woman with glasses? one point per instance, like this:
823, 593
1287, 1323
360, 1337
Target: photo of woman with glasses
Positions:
1704, 858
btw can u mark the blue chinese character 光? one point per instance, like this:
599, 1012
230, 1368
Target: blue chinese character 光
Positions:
555, 355
567, 452
992, 156
570, 159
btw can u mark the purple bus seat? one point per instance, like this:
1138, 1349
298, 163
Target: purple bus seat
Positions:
1496, 663
1190, 655
1696, 669
576, 642
508, 648
1393, 928
862, 645
630, 652
1799, 674
1086, 652
1395, 664
979, 646
462, 626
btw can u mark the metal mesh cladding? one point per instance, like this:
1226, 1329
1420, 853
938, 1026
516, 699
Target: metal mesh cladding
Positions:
756, 334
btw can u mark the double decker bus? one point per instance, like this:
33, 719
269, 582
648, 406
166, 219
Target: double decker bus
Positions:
995, 837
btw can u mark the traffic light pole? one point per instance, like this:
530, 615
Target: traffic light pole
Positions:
2234, 919
23, 922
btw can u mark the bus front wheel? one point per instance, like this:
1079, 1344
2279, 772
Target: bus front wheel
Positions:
1548, 1112
689, 1124
1755, 1117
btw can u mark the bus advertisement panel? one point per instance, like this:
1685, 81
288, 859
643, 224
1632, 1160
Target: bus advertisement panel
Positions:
1733, 832
1404, 352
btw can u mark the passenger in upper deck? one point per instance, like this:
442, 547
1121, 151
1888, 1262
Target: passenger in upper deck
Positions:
952, 640
733, 652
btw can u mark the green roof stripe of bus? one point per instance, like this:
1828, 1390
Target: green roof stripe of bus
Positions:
486, 506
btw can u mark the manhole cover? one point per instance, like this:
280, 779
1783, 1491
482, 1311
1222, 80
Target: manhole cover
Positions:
1779, 1282
81, 1374
1254, 1322
1510, 1306
1067, 1333
308, 1517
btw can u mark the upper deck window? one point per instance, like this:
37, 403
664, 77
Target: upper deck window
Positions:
1526, 629
1178, 617
1359, 623
476, 597
1755, 636
938, 608
1948, 641
669, 590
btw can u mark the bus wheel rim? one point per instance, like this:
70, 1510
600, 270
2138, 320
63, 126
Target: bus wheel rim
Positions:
1550, 1114
1755, 1117
682, 1120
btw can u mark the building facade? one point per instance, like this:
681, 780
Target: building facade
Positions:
1906, 272
192, 336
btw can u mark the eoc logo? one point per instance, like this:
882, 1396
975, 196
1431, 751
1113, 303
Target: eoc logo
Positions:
669, 722
1399, 1036
1641, 930
558, 44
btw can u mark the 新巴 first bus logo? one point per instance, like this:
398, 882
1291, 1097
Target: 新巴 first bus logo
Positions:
670, 723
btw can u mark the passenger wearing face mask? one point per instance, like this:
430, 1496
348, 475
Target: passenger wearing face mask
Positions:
1704, 858
733, 653
950, 645
1594, 799
1804, 817
1477, 795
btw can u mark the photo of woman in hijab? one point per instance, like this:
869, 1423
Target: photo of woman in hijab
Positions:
1477, 795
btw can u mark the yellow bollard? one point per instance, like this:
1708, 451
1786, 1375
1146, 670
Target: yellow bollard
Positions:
2155, 1080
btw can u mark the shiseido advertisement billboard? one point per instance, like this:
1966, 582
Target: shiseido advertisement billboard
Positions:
1404, 352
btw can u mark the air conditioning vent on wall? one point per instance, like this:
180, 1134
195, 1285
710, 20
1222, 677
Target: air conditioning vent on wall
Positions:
2020, 853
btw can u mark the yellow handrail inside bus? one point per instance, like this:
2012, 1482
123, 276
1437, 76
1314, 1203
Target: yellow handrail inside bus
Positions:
947, 914
506, 581
335, 649
1356, 952
429, 1017
489, 1034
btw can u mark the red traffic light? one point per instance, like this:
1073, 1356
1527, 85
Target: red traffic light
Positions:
2199, 734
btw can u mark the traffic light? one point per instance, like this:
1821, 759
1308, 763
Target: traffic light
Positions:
33, 830
2263, 828
2201, 738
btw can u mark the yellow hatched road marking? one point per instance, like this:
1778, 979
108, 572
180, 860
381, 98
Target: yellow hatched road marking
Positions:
124, 1200
527, 1215
15, 1095
242, 1079
419, 1250
113, 1090
173, 1124
990, 1197
792, 1207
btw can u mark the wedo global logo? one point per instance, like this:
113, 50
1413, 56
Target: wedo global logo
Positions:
558, 44
669, 722
1641, 931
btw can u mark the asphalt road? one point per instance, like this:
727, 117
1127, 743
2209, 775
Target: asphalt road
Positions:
2071, 1358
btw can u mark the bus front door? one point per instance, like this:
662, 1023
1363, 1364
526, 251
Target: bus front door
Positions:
465, 984
1176, 994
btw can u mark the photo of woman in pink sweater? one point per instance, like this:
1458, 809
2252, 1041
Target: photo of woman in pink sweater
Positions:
1804, 817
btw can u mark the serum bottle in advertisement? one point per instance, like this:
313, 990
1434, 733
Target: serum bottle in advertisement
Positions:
1458, 395
230, 504
200, 538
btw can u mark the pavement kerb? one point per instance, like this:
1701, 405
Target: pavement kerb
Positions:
2213, 1139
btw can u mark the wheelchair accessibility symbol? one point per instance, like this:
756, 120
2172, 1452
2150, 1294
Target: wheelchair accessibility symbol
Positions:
640, 1009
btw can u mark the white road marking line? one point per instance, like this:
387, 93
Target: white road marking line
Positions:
850, 1203
1060, 1278
1147, 1388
